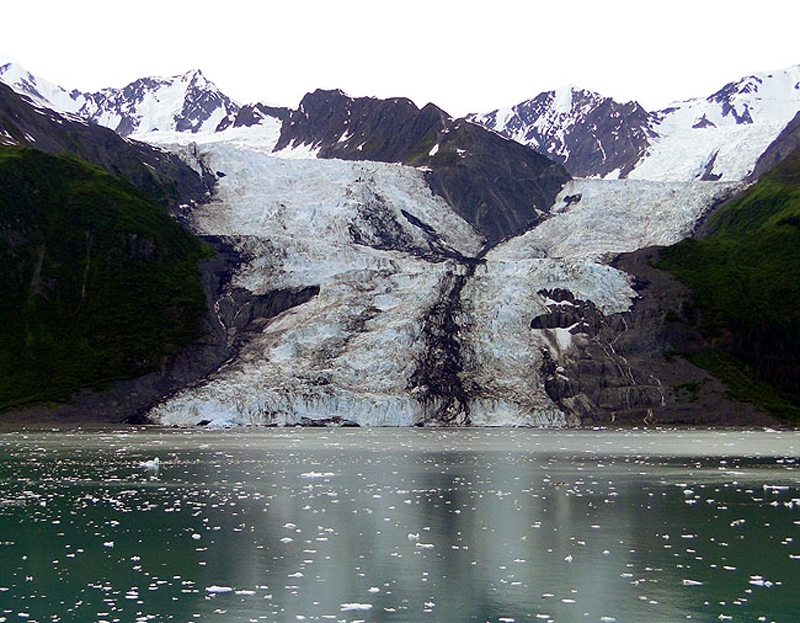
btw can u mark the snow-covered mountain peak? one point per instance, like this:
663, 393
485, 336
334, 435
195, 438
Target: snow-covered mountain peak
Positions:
721, 136
565, 97
187, 102
762, 97
39, 90
718, 137
589, 133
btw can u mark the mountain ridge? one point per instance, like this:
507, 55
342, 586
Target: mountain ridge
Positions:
474, 170
185, 102
591, 133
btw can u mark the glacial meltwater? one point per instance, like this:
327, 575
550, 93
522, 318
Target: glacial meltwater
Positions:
399, 525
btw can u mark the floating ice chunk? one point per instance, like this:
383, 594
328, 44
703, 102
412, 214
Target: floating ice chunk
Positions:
317, 475
286, 539
196, 536
425, 545
152, 465
568, 558
218, 589
374, 589
245, 592
356, 607
108, 544
692, 583
413, 537
757, 580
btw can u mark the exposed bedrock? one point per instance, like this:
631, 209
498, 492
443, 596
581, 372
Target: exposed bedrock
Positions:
622, 368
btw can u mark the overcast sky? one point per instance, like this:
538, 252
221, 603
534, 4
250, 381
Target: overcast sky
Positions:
463, 56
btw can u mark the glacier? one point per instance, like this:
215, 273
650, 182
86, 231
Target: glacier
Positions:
407, 328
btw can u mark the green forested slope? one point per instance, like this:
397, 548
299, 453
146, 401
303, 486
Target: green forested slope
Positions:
745, 277
97, 282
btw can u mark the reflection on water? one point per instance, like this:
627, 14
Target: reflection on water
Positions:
387, 525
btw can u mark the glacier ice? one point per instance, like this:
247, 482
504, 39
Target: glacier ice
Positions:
355, 351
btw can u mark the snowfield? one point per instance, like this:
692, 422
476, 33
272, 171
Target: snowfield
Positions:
685, 153
724, 134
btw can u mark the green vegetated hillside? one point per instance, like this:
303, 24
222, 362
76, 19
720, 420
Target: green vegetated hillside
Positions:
98, 283
745, 276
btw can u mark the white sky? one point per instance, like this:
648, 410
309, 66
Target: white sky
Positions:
463, 56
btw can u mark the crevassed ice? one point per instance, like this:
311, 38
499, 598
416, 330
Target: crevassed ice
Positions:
352, 351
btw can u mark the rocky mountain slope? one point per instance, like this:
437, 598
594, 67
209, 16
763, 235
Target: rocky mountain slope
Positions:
153, 170
589, 134
718, 137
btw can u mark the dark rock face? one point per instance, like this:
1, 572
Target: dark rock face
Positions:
788, 141
500, 187
364, 128
601, 135
622, 370
708, 174
253, 114
703, 122
160, 173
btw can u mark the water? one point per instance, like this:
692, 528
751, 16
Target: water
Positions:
387, 525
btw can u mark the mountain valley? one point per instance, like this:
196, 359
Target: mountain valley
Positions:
383, 264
